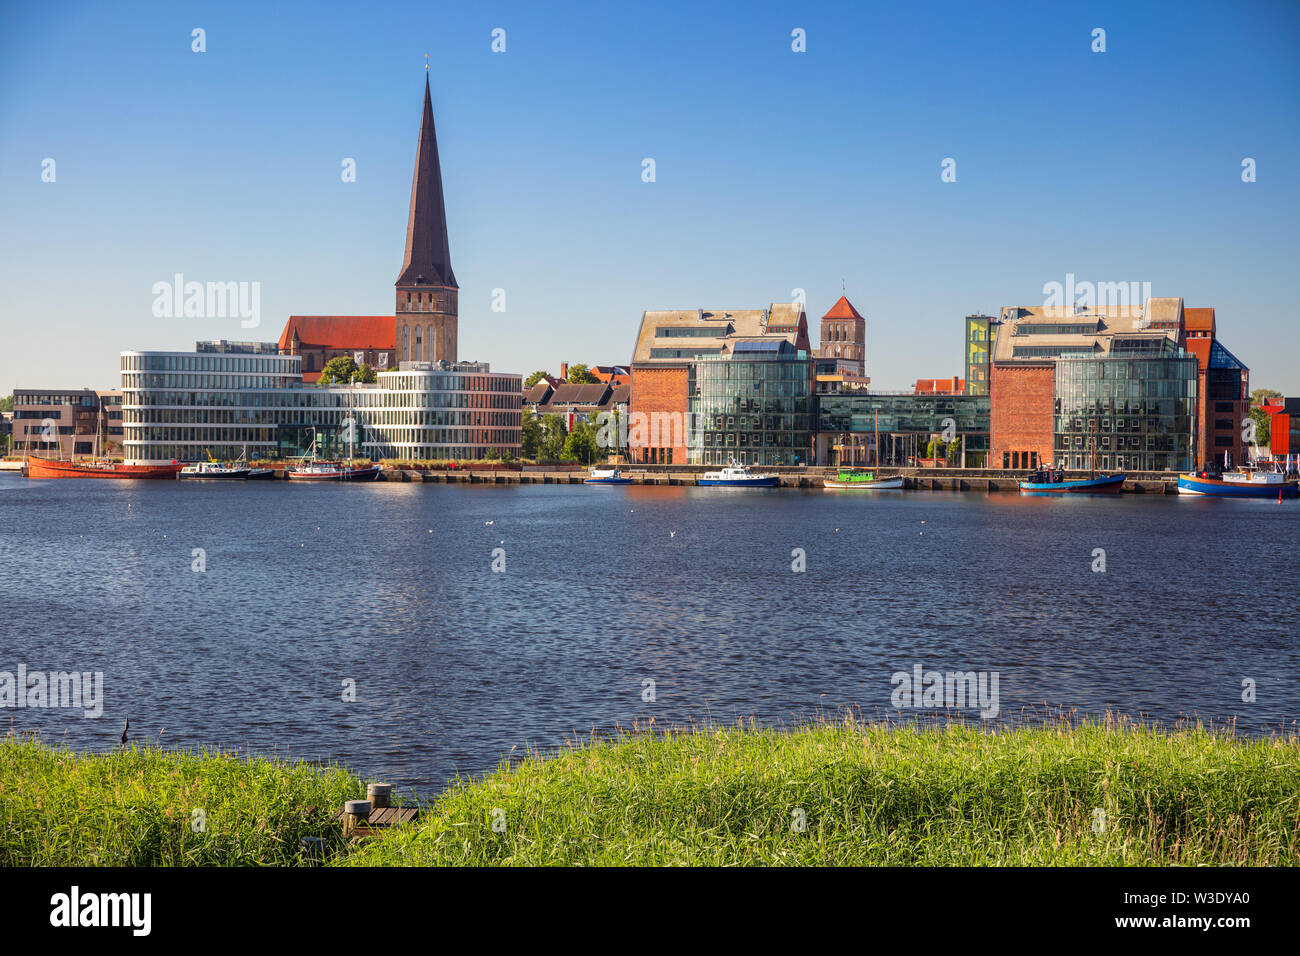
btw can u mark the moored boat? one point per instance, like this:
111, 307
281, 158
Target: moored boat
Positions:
850, 479
260, 474
52, 468
606, 476
739, 476
332, 471
1047, 483
214, 471
1245, 483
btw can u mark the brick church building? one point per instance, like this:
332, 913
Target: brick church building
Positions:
424, 324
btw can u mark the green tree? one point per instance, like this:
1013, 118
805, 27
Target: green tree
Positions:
338, 370
7, 403
581, 444
954, 451
553, 438
536, 377
366, 375
608, 437
580, 374
1258, 416
532, 437
934, 449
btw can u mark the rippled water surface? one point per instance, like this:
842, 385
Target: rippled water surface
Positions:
390, 585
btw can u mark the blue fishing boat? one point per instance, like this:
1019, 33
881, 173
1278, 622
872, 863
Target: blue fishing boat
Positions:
739, 476
1047, 483
1246, 483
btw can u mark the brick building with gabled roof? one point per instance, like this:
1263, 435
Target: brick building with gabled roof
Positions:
576, 402
319, 338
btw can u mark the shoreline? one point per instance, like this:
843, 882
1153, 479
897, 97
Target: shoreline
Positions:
841, 792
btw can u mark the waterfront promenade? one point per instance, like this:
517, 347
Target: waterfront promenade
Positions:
919, 479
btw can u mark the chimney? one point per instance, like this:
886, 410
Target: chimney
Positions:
564, 371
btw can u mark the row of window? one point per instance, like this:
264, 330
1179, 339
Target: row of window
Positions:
217, 362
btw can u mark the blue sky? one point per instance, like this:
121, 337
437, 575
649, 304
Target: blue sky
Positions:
775, 170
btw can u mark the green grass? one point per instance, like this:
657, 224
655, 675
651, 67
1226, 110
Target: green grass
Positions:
135, 807
869, 794
875, 795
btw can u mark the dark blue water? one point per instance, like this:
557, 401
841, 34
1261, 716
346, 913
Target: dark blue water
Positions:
390, 586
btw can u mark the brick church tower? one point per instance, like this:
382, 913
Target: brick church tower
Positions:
844, 335
427, 310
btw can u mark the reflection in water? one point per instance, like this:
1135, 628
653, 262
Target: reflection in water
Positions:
390, 586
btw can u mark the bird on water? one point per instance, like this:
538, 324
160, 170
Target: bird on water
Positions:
125, 727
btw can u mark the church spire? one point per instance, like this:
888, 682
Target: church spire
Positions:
428, 254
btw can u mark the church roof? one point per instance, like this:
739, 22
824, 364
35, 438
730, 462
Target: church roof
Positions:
428, 254
842, 309
341, 331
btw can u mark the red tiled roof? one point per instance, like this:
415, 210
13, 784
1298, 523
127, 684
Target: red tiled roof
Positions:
842, 309
1198, 319
341, 331
940, 386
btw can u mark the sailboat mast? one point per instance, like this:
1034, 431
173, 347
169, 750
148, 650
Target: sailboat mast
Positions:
875, 436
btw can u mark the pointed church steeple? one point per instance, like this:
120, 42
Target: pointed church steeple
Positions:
427, 308
428, 254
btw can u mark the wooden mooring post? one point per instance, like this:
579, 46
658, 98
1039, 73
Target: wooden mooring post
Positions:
365, 818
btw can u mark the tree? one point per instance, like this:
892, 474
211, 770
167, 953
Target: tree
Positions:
581, 444
536, 377
954, 451
580, 374
7, 403
554, 437
1258, 415
366, 375
531, 439
338, 370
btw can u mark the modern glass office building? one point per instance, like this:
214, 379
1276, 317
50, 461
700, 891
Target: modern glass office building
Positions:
425, 410
1135, 412
905, 423
755, 405
233, 403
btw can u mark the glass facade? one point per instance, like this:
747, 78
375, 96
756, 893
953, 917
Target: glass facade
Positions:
422, 411
906, 422
1137, 414
755, 406
184, 406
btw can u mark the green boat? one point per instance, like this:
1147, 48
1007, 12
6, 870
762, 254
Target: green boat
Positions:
850, 479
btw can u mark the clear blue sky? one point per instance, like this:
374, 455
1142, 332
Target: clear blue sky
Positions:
775, 170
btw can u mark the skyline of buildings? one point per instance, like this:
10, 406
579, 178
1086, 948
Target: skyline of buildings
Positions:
1133, 383
1143, 385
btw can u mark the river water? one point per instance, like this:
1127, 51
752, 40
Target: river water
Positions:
311, 595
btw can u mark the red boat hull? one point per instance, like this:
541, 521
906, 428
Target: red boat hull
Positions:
49, 468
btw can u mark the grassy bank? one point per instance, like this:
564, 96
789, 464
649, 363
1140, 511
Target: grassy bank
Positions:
136, 808
865, 793
871, 794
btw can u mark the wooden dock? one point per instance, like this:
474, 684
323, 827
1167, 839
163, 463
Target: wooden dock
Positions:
366, 818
